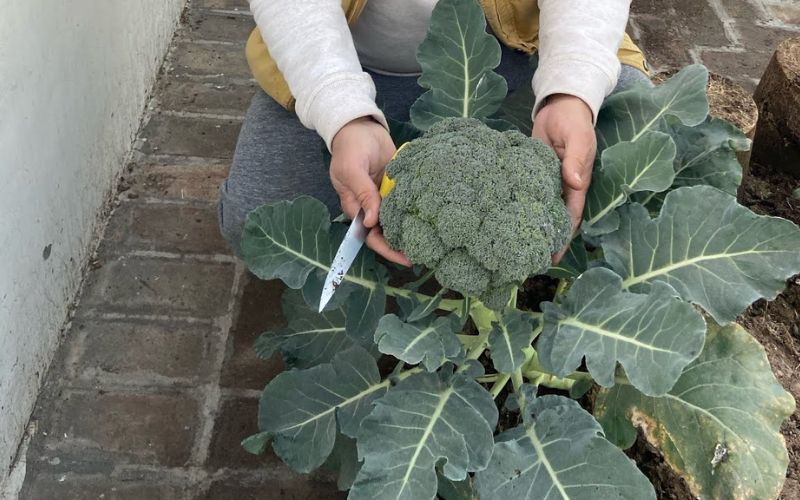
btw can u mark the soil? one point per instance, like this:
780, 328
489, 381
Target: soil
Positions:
776, 324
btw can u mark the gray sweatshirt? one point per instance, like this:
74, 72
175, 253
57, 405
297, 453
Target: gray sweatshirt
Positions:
322, 59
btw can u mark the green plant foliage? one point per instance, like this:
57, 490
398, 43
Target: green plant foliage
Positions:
711, 250
559, 452
629, 167
422, 420
457, 58
430, 341
664, 251
510, 335
300, 408
652, 336
309, 339
727, 404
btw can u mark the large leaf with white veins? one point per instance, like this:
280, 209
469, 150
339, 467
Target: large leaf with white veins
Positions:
719, 426
559, 453
653, 336
427, 419
430, 341
628, 115
300, 408
711, 250
457, 58
509, 336
287, 240
629, 167
309, 339
707, 154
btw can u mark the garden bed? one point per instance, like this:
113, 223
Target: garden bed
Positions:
776, 324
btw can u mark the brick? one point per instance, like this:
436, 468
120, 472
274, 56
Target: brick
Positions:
259, 311
746, 67
202, 59
204, 97
164, 227
268, 488
139, 428
179, 179
145, 352
695, 22
219, 27
69, 487
222, 4
190, 136
237, 419
788, 13
138, 285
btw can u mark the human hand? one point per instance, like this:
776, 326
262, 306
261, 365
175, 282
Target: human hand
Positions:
359, 153
565, 124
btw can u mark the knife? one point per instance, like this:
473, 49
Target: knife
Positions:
350, 246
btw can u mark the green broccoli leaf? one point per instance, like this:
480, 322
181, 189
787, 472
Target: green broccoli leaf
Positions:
365, 306
628, 115
300, 408
457, 58
424, 420
309, 339
287, 240
707, 154
653, 336
719, 426
711, 250
559, 452
517, 109
574, 262
455, 490
509, 337
426, 308
343, 460
627, 167
430, 341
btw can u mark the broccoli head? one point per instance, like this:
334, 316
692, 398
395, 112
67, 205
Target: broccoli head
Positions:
481, 207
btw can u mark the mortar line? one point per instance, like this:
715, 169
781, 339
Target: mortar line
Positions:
213, 396
217, 258
728, 23
227, 12
94, 315
205, 116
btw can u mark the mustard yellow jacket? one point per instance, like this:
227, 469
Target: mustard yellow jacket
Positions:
514, 22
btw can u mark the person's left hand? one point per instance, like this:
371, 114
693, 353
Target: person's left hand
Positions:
565, 124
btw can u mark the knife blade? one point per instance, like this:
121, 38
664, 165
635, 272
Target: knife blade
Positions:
345, 255
351, 244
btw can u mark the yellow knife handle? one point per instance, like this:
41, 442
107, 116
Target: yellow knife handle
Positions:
387, 184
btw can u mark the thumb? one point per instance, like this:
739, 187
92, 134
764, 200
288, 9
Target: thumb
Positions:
576, 162
366, 194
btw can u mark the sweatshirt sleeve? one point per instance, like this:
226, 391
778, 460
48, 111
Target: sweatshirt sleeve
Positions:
312, 46
578, 43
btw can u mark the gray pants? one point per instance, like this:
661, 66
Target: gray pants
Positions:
277, 158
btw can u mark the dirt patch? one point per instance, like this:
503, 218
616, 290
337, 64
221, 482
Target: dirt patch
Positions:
776, 324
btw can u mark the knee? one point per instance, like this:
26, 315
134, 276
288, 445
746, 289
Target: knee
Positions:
231, 213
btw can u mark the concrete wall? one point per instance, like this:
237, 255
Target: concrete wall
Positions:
74, 76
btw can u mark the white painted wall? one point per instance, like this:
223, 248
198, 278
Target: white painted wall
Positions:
74, 76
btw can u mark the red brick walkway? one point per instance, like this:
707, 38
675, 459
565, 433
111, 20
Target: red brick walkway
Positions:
156, 382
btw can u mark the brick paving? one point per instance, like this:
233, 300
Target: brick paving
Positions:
156, 382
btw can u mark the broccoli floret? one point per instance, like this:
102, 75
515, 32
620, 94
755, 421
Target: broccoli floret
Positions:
481, 207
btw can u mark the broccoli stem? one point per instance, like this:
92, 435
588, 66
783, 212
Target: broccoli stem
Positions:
499, 385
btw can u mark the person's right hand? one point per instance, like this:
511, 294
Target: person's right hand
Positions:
359, 153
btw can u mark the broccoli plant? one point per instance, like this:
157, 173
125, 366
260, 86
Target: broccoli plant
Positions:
643, 316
